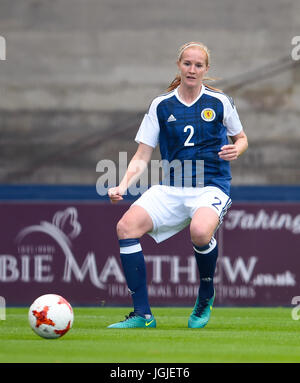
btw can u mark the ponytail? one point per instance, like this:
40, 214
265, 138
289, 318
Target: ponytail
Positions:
174, 84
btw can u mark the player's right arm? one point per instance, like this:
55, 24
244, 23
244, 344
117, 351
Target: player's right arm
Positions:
135, 168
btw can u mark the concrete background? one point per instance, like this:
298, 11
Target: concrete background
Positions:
80, 74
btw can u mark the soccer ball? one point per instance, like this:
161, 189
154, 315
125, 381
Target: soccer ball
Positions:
51, 316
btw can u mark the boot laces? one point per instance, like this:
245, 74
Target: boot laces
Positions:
202, 305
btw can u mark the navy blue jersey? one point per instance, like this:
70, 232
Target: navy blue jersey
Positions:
192, 133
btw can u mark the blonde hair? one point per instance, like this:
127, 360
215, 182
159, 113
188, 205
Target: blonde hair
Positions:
177, 80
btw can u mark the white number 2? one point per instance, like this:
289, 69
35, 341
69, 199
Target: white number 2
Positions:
187, 141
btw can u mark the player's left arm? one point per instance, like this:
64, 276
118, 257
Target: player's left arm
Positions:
232, 151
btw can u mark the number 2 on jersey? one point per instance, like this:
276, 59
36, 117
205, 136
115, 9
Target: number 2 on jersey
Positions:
187, 141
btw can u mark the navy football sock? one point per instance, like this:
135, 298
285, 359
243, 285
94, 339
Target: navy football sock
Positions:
134, 267
206, 258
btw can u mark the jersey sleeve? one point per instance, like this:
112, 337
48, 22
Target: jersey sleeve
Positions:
148, 132
232, 120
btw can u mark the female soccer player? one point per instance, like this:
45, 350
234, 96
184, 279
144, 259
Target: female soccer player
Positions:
191, 123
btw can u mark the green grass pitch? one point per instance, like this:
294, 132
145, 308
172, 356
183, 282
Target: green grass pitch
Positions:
238, 335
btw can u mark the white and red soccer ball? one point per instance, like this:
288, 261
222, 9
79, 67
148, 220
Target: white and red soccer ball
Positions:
51, 316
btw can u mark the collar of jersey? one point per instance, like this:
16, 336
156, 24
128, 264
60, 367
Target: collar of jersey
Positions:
184, 103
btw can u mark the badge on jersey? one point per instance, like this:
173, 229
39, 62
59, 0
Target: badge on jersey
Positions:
208, 114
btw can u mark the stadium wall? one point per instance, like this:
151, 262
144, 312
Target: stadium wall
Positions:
79, 76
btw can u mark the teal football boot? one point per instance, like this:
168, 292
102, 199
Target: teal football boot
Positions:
201, 312
135, 321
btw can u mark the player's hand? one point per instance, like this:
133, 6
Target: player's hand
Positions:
228, 152
115, 194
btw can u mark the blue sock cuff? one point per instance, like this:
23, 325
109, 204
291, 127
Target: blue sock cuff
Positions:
128, 242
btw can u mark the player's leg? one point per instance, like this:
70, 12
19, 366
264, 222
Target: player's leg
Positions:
160, 213
203, 225
133, 225
207, 213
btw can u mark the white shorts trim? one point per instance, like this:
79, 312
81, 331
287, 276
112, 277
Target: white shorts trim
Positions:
172, 208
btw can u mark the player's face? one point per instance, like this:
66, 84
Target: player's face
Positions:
193, 67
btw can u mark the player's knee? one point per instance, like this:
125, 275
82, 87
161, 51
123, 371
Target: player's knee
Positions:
125, 229
199, 236
122, 229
